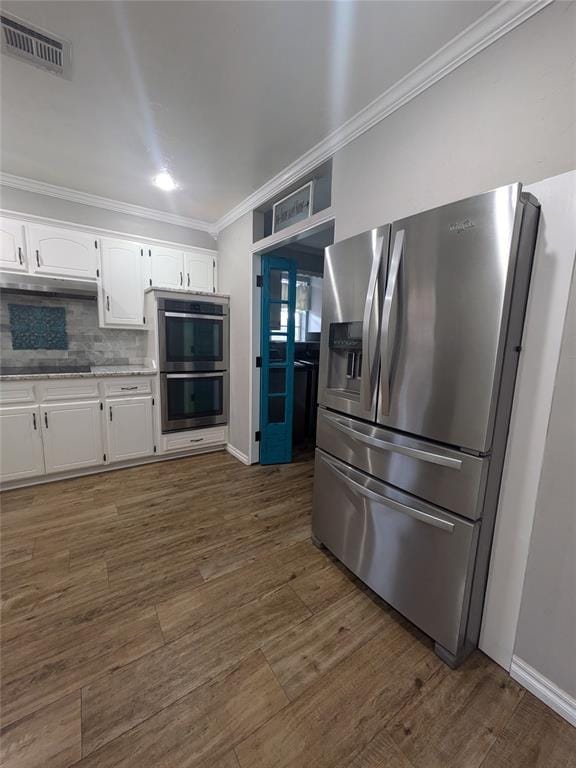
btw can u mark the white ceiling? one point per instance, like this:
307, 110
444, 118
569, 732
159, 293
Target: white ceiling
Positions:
226, 94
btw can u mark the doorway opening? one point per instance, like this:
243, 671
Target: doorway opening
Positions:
291, 317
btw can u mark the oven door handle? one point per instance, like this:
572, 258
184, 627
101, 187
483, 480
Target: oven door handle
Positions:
188, 314
214, 374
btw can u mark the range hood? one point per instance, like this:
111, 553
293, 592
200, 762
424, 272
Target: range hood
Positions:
49, 286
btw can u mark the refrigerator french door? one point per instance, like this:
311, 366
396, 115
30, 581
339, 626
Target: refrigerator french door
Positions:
353, 289
427, 409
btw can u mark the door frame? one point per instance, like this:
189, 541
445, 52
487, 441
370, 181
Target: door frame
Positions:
299, 231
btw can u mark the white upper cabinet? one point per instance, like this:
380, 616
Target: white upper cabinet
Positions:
129, 427
122, 295
167, 268
13, 246
21, 453
59, 252
200, 271
72, 435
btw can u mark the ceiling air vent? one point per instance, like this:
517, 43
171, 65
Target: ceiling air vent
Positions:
35, 46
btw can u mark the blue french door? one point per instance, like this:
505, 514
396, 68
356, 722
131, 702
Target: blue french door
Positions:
277, 352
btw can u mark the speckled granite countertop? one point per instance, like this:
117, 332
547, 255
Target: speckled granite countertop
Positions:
96, 371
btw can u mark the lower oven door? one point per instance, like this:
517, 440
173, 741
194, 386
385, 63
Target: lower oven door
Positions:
417, 557
192, 400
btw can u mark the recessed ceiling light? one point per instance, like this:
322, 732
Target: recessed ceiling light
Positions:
164, 181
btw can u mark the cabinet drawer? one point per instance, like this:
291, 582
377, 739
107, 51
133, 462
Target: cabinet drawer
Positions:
197, 438
415, 556
128, 386
16, 392
68, 389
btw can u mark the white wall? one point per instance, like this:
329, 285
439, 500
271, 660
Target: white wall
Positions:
546, 635
508, 114
235, 271
545, 317
64, 210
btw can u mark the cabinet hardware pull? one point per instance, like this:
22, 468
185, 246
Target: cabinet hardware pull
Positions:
197, 440
38, 258
128, 388
188, 279
20, 255
46, 419
110, 413
34, 420
181, 278
108, 303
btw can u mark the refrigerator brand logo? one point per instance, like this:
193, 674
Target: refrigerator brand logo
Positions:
462, 226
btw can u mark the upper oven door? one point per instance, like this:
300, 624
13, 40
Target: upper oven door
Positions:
193, 342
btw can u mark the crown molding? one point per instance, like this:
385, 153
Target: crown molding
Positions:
85, 198
493, 25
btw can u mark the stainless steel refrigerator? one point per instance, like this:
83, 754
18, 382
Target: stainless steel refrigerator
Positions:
421, 333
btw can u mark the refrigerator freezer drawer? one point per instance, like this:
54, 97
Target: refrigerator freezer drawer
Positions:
415, 556
443, 476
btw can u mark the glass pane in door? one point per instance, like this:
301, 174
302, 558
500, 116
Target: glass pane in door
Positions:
277, 347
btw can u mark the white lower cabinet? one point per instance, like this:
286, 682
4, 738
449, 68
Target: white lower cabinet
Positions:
72, 435
21, 453
129, 427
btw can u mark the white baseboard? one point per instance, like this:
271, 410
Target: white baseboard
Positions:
238, 454
544, 689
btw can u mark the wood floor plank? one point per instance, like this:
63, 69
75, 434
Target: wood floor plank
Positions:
381, 752
225, 761
43, 660
534, 737
15, 551
43, 594
320, 589
49, 738
203, 723
457, 716
155, 578
305, 653
193, 608
342, 711
124, 698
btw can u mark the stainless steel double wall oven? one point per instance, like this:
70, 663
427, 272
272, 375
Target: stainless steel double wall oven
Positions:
421, 331
194, 358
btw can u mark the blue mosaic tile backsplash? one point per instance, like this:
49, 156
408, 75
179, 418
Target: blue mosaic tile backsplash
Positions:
37, 327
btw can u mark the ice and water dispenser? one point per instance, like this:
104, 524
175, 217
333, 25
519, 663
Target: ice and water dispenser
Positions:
345, 356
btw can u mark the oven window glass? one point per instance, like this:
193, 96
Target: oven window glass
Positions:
195, 397
194, 339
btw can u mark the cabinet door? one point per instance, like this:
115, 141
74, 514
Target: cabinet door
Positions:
122, 283
12, 246
200, 270
62, 252
167, 268
21, 453
129, 427
72, 435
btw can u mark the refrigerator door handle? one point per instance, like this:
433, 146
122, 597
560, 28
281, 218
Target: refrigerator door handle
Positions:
417, 514
414, 453
391, 287
370, 366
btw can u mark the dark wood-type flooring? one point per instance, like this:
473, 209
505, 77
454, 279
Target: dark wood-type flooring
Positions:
177, 615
